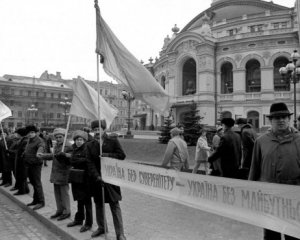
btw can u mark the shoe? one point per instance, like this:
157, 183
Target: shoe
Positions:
85, 228
57, 214
74, 223
63, 216
13, 189
121, 237
19, 193
31, 204
38, 206
7, 185
97, 233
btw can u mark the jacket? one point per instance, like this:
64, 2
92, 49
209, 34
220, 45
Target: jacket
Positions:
229, 152
202, 149
276, 161
110, 148
34, 145
248, 136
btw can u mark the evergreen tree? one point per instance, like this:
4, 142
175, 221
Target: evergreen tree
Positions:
191, 125
165, 130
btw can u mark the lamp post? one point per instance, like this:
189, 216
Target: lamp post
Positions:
31, 110
129, 98
65, 104
292, 72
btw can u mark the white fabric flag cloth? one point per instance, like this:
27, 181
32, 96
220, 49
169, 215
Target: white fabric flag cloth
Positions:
121, 65
85, 103
5, 112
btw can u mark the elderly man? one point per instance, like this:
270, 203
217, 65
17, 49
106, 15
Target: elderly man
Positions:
229, 150
276, 155
176, 153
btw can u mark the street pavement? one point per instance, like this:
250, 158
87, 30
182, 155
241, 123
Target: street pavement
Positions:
144, 217
18, 224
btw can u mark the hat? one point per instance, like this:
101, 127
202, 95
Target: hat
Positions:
219, 128
86, 129
21, 131
95, 124
58, 131
279, 109
229, 122
175, 131
80, 133
31, 128
241, 121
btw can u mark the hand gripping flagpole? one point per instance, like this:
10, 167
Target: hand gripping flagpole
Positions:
66, 135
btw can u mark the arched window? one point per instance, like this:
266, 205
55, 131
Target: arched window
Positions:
253, 82
280, 83
226, 78
163, 82
189, 77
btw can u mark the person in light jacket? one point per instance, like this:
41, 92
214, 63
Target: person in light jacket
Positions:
202, 151
276, 156
60, 174
176, 153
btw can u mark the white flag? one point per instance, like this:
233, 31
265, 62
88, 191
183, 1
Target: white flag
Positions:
5, 112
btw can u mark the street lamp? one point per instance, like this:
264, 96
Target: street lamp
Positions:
32, 109
65, 104
129, 98
292, 73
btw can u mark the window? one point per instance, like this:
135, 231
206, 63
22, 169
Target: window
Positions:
253, 81
21, 92
37, 94
226, 78
276, 25
59, 95
58, 115
232, 32
105, 91
29, 93
19, 114
52, 95
163, 82
12, 91
189, 77
45, 94
280, 82
51, 115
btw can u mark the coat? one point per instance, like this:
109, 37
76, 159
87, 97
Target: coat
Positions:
60, 168
248, 136
78, 161
202, 150
110, 148
276, 161
229, 152
33, 146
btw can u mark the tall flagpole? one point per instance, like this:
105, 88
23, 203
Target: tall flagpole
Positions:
100, 143
5, 144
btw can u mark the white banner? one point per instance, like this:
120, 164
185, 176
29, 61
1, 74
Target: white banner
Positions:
266, 205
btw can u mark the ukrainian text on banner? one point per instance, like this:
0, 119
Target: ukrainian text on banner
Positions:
272, 206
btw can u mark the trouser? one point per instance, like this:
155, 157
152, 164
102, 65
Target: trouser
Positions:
62, 198
272, 235
116, 214
7, 177
34, 175
84, 205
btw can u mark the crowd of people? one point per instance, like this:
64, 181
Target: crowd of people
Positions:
272, 157
24, 153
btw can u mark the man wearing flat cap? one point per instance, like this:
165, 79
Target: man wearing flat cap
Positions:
276, 155
112, 193
229, 150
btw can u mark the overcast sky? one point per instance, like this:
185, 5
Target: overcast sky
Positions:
60, 35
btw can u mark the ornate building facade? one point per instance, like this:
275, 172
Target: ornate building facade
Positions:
227, 60
45, 101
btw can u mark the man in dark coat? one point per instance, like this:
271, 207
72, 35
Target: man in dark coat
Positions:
248, 136
33, 165
5, 159
229, 150
110, 148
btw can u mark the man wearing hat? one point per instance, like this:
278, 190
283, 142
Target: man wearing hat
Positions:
33, 165
248, 136
276, 155
229, 150
112, 194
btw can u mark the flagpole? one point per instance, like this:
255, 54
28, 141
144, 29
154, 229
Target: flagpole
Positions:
66, 135
100, 145
5, 144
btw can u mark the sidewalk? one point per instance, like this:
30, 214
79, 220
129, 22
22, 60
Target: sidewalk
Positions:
145, 217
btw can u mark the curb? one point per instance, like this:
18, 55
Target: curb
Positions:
47, 222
